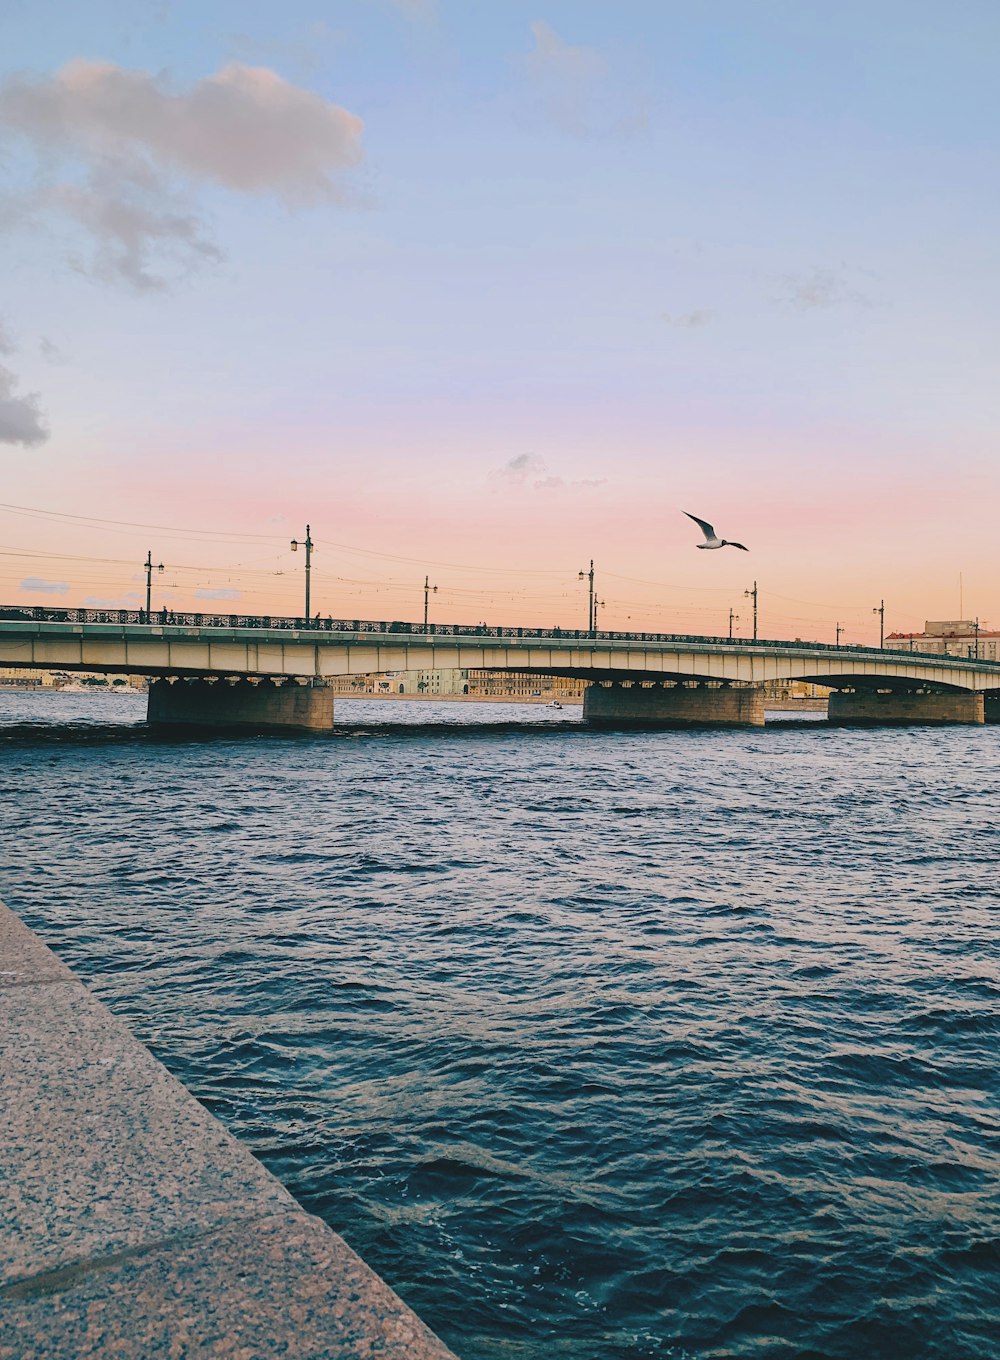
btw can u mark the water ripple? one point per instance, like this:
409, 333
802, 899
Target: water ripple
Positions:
611, 1046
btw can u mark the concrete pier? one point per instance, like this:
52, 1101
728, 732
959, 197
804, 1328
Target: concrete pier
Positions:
680, 705
134, 1225
244, 703
991, 706
870, 707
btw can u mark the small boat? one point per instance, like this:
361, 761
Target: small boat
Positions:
554, 704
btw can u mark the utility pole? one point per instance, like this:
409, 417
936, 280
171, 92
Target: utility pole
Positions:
598, 604
880, 611
591, 614
977, 638
428, 590
752, 595
733, 618
840, 630
149, 569
307, 543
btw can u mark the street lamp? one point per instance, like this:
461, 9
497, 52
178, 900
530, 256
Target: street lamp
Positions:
428, 590
840, 631
149, 569
308, 544
733, 618
591, 616
598, 604
880, 611
752, 595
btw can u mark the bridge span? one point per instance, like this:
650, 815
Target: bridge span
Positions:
225, 669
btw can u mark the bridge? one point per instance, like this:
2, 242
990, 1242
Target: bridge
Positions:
271, 671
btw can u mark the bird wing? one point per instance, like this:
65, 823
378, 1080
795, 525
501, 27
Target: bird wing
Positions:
706, 529
731, 544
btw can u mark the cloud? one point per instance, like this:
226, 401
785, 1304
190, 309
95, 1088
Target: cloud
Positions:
820, 288
221, 594
528, 469
126, 601
43, 587
519, 469
687, 320
117, 152
21, 420
49, 350
572, 89
6, 343
560, 483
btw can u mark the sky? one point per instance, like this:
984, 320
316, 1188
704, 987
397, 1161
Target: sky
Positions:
483, 290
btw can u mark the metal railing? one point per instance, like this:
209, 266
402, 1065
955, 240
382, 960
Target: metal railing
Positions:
169, 618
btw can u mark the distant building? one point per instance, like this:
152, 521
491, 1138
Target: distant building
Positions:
462, 683
950, 637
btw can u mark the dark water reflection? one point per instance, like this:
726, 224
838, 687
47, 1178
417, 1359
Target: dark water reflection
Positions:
596, 1045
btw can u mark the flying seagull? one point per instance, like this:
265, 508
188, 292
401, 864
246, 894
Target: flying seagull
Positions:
712, 539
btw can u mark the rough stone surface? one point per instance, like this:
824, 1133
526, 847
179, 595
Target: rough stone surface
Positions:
991, 706
133, 1225
283, 1286
198, 703
680, 706
871, 708
100, 1148
23, 957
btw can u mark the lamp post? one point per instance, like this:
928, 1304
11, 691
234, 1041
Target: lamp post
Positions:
752, 595
880, 611
308, 544
589, 576
733, 618
428, 591
977, 639
149, 569
598, 604
840, 631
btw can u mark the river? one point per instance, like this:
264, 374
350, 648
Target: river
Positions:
600, 1045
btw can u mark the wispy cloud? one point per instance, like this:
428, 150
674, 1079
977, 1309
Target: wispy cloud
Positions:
223, 593
118, 151
43, 587
819, 288
49, 350
21, 419
687, 320
528, 470
518, 471
126, 601
572, 88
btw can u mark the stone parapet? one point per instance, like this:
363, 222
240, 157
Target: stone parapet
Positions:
245, 703
134, 1225
866, 707
681, 705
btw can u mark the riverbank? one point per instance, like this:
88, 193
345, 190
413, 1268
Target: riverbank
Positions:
134, 1224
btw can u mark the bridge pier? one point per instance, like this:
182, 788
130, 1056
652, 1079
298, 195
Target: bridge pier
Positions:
673, 705
991, 706
283, 705
872, 707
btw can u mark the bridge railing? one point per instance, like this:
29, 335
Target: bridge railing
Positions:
360, 627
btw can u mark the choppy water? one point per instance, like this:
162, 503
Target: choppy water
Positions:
596, 1045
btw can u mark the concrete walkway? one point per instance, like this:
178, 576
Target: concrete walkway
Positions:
133, 1225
